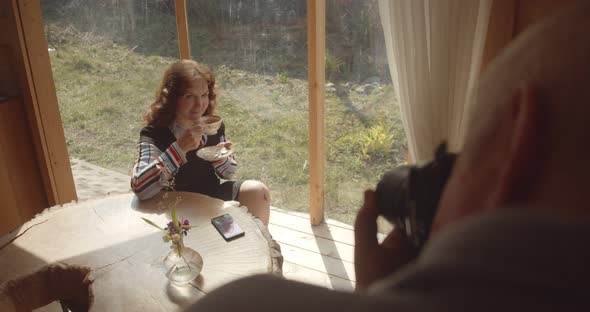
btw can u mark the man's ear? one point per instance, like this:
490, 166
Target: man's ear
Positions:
521, 150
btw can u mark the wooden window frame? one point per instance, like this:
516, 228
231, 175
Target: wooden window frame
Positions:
41, 103
47, 129
45, 120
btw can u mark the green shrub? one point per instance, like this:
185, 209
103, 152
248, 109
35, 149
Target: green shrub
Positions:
368, 143
376, 141
282, 77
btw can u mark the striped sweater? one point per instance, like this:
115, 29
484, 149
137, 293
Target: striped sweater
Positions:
160, 158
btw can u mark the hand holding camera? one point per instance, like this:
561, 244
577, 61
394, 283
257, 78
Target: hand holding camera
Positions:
374, 260
408, 196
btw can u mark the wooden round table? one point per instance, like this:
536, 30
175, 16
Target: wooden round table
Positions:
104, 244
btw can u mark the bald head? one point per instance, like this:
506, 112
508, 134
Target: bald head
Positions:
528, 125
553, 58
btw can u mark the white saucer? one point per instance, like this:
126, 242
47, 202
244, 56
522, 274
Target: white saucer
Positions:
214, 153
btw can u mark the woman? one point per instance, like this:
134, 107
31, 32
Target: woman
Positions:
167, 146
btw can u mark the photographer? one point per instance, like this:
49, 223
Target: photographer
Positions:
512, 228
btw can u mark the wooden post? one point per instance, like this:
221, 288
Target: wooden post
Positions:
182, 30
316, 39
41, 103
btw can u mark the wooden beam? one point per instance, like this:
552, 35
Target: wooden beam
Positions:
316, 39
41, 104
182, 30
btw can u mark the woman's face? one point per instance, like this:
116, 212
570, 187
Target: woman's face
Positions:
193, 104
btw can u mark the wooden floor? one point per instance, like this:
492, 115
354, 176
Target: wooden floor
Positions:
322, 255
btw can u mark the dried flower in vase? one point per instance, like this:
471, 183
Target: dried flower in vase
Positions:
176, 229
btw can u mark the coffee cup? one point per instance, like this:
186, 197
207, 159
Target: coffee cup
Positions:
210, 124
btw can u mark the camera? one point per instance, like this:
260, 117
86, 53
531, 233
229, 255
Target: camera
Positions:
408, 196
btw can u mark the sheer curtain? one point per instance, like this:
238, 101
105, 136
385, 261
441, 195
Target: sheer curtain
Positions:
434, 49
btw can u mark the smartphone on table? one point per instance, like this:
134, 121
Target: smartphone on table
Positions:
227, 227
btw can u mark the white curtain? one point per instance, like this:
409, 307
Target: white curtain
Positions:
434, 49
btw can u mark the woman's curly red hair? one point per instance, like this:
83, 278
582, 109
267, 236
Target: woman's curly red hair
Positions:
178, 78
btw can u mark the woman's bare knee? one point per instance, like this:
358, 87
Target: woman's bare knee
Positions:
255, 195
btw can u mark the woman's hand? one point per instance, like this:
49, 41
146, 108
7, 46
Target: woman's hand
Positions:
373, 261
191, 138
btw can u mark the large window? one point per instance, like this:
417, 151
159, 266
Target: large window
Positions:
364, 134
108, 56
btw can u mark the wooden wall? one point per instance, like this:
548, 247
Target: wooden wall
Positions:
9, 86
35, 169
22, 192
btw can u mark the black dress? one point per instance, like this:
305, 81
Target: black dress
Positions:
196, 175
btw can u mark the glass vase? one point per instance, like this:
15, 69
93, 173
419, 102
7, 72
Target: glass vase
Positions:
181, 270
